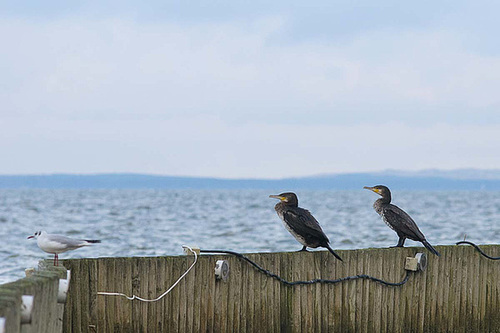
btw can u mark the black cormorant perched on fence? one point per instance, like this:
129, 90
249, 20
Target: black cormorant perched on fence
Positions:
300, 223
397, 219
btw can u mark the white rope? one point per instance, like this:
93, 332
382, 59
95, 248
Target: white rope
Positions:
162, 295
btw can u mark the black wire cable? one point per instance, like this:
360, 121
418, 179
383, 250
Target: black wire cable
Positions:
288, 283
477, 248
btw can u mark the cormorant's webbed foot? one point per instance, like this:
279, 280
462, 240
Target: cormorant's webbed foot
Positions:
303, 249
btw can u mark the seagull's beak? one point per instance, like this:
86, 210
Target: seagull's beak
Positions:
30, 237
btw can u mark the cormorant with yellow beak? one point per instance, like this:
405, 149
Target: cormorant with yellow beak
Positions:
397, 219
300, 223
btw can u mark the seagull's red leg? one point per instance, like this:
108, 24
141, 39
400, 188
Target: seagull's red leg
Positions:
55, 256
57, 260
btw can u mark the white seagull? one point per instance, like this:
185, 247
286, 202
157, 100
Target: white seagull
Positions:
58, 244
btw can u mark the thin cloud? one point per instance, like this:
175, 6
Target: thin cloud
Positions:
121, 67
233, 99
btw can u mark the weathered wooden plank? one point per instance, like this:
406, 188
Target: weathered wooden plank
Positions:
294, 264
482, 282
419, 292
399, 298
431, 282
257, 295
177, 306
250, 302
182, 286
471, 278
285, 294
152, 277
211, 283
375, 309
102, 285
171, 311
264, 308
450, 262
194, 301
120, 303
406, 319
76, 322
339, 293
276, 301
84, 294
367, 263
264, 311
136, 290
219, 307
160, 289
388, 293
321, 302
93, 289
357, 267
304, 274
492, 295
462, 282
128, 289
244, 297
145, 292
234, 297
10, 303
330, 296
384, 296
314, 297
119, 274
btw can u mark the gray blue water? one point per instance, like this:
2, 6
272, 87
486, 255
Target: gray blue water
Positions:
159, 222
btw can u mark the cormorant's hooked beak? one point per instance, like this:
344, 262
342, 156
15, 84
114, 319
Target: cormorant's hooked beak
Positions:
30, 237
376, 190
278, 197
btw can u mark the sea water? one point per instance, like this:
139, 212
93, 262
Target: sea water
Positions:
159, 222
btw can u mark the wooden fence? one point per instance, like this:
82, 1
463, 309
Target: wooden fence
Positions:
47, 313
458, 292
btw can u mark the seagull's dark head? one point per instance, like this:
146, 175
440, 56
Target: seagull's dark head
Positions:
35, 235
288, 198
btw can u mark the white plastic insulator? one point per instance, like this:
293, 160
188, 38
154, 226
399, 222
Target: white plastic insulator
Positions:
422, 261
2, 325
26, 309
68, 275
222, 270
62, 293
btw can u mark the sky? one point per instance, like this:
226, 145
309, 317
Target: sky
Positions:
248, 89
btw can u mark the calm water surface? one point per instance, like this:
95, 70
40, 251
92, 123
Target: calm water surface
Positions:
158, 222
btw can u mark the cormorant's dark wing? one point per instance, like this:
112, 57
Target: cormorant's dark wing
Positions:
303, 223
402, 223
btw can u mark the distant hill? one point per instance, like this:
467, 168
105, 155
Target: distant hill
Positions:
464, 179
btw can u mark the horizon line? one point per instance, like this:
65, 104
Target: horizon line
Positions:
247, 178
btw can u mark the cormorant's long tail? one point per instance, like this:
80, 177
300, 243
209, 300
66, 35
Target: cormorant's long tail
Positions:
92, 240
333, 252
430, 248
